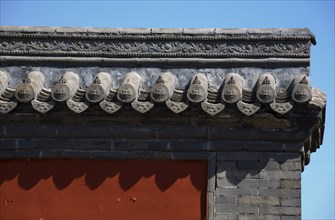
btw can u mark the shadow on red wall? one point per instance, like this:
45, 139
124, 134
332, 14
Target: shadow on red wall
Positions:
173, 180
63, 172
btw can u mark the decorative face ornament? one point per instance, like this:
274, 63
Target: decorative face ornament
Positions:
302, 91
128, 91
24, 92
197, 91
266, 92
231, 92
30, 87
160, 93
66, 87
164, 87
60, 92
100, 87
95, 93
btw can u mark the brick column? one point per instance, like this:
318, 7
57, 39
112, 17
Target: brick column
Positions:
258, 185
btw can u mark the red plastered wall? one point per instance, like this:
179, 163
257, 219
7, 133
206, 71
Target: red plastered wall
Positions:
102, 189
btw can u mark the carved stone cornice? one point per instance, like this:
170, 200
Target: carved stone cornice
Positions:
239, 84
150, 43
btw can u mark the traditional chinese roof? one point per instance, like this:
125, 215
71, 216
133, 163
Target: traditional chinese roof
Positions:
249, 89
277, 93
222, 72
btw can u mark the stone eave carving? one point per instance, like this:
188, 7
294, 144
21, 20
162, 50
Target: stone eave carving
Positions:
156, 43
45, 68
234, 90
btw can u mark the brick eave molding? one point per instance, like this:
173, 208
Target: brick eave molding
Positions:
219, 82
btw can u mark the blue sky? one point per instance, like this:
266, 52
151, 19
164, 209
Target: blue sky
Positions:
318, 16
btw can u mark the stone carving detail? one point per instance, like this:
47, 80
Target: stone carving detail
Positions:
66, 88
281, 108
197, 91
142, 107
110, 107
24, 92
43, 103
4, 81
266, 89
7, 103
232, 89
163, 89
100, 87
318, 98
112, 100
128, 91
176, 107
42, 107
6, 107
141, 46
77, 107
30, 87
248, 108
211, 108
302, 91
77, 102
111, 104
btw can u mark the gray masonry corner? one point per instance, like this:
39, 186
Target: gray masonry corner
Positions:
240, 98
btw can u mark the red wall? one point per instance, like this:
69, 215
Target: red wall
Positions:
101, 189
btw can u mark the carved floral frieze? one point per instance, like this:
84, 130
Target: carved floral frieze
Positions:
157, 48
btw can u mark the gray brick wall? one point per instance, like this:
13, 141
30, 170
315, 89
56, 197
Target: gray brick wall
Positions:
250, 177
258, 185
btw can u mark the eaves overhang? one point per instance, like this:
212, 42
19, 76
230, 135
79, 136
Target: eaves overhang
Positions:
248, 79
